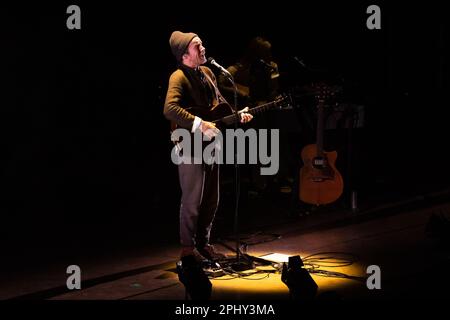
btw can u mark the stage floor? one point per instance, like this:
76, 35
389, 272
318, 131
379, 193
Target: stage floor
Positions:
394, 239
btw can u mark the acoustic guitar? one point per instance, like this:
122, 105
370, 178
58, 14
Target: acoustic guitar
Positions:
320, 181
222, 114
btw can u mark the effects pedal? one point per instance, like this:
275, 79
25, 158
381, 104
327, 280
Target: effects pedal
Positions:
213, 269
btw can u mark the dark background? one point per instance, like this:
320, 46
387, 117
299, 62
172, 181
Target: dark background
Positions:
86, 150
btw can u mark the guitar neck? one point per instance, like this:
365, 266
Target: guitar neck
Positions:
253, 111
320, 119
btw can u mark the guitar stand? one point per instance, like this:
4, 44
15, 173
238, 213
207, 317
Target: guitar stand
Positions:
353, 193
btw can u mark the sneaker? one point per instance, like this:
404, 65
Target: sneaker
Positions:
192, 251
210, 253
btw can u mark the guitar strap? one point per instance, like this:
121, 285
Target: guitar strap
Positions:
219, 96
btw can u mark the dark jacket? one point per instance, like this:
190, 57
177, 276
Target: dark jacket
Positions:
185, 90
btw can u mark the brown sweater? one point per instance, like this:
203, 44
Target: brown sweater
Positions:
185, 90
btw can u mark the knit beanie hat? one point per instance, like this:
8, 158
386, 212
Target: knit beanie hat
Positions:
179, 41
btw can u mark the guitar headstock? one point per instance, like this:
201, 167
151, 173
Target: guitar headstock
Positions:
325, 92
284, 100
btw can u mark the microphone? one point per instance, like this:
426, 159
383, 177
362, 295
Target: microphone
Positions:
218, 66
300, 62
266, 64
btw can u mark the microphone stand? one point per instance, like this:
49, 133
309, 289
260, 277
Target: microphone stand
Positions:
237, 265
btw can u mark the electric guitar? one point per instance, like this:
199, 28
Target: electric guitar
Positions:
320, 181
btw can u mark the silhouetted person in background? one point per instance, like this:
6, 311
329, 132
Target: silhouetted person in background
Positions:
257, 78
255, 74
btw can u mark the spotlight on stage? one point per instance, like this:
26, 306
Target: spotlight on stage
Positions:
301, 285
194, 279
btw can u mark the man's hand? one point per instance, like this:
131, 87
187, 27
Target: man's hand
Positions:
209, 129
245, 117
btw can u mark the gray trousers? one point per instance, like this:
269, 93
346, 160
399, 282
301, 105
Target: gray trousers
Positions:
199, 202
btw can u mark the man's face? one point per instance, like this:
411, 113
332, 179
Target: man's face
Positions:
195, 55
